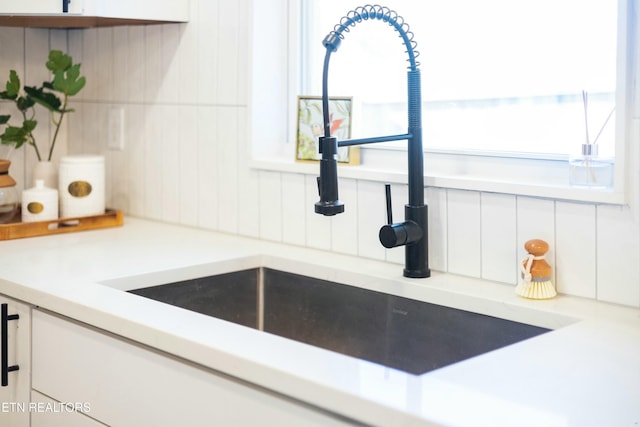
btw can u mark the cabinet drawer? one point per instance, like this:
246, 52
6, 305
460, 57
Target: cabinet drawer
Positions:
47, 413
125, 384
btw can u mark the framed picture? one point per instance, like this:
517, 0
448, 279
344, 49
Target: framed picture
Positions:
310, 128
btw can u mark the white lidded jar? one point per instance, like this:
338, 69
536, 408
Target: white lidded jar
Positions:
81, 185
39, 203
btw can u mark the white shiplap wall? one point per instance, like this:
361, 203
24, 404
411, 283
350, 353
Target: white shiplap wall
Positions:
185, 93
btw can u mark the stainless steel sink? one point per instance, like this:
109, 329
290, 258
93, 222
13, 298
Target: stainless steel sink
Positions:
409, 335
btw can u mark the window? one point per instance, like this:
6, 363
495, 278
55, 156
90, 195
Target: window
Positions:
496, 74
502, 87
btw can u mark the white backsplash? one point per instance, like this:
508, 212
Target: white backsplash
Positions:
184, 91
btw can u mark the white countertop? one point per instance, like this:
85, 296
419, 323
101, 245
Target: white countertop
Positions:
585, 373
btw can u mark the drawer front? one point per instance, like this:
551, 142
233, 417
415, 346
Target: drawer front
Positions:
47, 412
124, 384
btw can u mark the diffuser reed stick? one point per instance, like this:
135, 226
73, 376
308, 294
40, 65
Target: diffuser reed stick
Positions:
585, 105
588, 169
595, 141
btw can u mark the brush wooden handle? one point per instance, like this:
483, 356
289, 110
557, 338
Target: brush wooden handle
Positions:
539, 267
536, 247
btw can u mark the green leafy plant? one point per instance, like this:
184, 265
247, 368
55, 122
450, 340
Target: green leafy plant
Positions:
53, 96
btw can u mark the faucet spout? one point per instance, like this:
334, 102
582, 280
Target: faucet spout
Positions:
412, 233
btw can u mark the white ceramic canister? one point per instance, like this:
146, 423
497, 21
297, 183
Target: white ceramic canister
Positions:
81, 185
39, 203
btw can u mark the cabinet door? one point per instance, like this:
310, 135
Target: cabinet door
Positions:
14, 397
151, 10
170, 11
40, 7
124, 384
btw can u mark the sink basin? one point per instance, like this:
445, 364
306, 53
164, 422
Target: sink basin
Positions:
401, 333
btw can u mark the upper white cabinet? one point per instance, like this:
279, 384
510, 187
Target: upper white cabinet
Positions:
91, 13
40, 6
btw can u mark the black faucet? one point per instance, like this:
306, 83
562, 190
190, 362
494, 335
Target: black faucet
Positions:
412, 233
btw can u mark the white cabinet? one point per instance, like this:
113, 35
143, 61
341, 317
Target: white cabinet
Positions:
120, 383
155, 10
91, 13
16, 349
40, 6
48, 413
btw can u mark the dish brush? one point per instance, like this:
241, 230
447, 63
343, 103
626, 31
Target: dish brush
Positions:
536, 272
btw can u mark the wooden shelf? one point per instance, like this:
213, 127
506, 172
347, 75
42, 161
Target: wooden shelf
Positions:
18, 230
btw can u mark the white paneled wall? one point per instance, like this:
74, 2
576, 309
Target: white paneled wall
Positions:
185, 94
576, 242
464, 234
498, 237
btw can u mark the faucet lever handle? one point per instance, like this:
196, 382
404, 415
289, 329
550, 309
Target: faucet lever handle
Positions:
387, 193
403, 233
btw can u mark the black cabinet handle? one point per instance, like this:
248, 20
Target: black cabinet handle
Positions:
5, 344
65, 6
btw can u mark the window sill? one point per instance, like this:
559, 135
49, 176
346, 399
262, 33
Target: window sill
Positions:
462, 181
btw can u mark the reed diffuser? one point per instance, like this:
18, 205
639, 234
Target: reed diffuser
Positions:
588, 169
